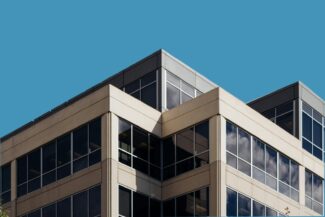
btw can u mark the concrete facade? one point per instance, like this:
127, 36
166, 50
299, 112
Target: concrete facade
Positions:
216, 105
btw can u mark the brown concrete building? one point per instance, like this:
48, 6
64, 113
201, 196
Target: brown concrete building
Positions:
159, 139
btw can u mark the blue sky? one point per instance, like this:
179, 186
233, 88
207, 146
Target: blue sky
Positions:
52, 50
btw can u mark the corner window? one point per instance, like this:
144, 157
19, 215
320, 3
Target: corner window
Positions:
5, 190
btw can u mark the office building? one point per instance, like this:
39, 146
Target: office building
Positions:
160, 139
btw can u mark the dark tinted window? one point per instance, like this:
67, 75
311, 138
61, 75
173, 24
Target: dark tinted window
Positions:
64, 208
22, 170
258, 209
231, 203
202, 202
124, 202
184, 205
271, 161
317, 134
148, 78
155, 151
173, 96
49, 157
80, 204
231, 138
49, 211
284, 169
94, 201
5, 178
149, 95
80, 142
202, 137
34, 164
184, 144
169, 208
155, 208
244, 205
63, 149
259, 154
169, 151
124, 135
95, 134
36, 213
286, 122
140, 205
307, 126
130, 88
140, 143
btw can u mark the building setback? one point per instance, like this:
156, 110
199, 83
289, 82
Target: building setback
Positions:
159, 139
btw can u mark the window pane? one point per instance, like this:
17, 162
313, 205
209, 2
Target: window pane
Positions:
232, 160
36, 213
231, 203
284, 169
188, 89
202, 202
202, 159
185, 97
244, 145
269, 113
149, 95
64, 208
259, 154
318, 188
34, 164
49, 211
173, 96
202, 137
5, 178
258, 175
80, 164
271, 161
94, 201
307, 126
140, 143
184, 144
308, 183
317, 134
80, 144
140, 205
124, 158
140, 165
271, 181
22, 170
155, 151
231, 138
281, 109
155, 172
135, 85
317, 152
169, 208
169, 151
294, 172
270, 212
307, 146
184, 166
124, 202
258, 209
284, 189
124, 135
148, 78
244, 205
64, 149
173, 79
169, 172
155, 208
244, 167
185, 205
49, 157
286, 122
318, 208
80, 205
95, 134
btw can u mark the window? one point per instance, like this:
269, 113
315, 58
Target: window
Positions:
240, 205
134, 204
265, 164
192, 150
312, 131
139, 149
190, 204
86, 203
314, 192
5, 190
144, 89
178, 91
52, 161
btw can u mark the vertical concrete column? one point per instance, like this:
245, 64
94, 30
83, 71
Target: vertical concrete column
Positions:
221, 126
105, 126
301, 185
163, 89
213, 144
13, 186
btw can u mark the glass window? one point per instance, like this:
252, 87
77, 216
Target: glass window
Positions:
244, 205
63, 149
155, 151
294, 173
307, 126
231, 203
284, 108
124, 135
36, 213
201, 159
124, 202
140, 143
22, 170
169, 147
271, 161
284, 169
270, 212
140, 205
169, 208
231, 138
80, 205
34, 164
286, 122
155, 208
173, 79
184, 166
185, 205
149, 95
244, 145
258, 154
5, 178
95, 134
184, 144
317, 134
49, 211
258, 209
185, 97
64, 208
94, 201
202, 137
309, 183
173, 96
244, 167
80, 144
49, 157
202, 202
130, 88
148, 78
